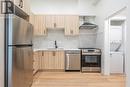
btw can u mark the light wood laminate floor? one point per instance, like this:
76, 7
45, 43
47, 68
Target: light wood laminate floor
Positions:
77, 79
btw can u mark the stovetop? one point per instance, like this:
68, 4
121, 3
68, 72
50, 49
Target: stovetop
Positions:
90, 50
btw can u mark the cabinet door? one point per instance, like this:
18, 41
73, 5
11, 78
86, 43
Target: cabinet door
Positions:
35, 63
72, 25
51, 60
56, 60
38, 22
59, 22
48, 60
44, 60
50, 21
54, 22
40, 54
59, 60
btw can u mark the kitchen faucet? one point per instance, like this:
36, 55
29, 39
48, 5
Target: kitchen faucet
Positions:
56, 44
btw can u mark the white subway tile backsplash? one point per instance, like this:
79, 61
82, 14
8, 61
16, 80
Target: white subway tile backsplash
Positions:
87, 39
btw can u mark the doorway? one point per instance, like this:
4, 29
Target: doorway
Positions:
117, 46
114, 43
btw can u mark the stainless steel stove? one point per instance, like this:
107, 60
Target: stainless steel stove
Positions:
90, 60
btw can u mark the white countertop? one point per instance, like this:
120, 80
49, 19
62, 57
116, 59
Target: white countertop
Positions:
53, 49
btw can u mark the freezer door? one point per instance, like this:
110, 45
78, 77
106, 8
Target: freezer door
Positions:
19, 31
20, 68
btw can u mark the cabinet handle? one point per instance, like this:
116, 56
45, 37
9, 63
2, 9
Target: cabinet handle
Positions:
54, 25
71, 31
42, 53
44, 32
54, 54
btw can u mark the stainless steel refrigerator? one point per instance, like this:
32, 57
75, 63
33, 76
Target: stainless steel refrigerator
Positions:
19, 52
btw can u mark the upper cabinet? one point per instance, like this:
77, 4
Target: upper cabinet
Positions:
38, 22
60, 21
23, 4
50, 21
52, 60
71, 25
54, 22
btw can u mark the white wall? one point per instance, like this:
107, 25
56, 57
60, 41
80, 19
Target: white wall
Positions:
106, 8
1, 49
82, 7
54, 6
128, 47
86, 7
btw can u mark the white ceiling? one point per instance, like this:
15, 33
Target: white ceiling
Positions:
94, 2
82, 7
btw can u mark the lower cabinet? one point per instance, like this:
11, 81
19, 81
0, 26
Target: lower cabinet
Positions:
52, 60
40, 54
49, 60
46, 60
35, 62
59, 62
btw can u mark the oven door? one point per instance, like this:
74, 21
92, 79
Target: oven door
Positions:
91, 63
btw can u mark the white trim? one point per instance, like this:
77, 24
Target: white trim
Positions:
106, 48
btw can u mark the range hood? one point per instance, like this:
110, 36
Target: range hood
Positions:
88, 25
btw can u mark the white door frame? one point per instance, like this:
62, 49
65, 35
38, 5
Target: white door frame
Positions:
107, 48
106, 60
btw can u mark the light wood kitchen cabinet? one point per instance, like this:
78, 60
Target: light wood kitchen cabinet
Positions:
41, 23
35, 62
60, 21
38, 22
40, 54
59, 60
47, 60
71, 25
50, 20
53, 60
54, 22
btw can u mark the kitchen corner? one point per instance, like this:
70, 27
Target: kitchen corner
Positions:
63, 43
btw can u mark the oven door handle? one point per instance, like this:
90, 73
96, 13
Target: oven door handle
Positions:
93, 54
